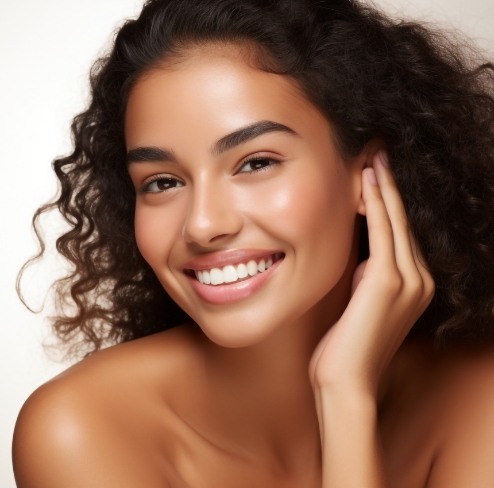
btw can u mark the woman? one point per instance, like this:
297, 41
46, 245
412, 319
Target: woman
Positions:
287, 206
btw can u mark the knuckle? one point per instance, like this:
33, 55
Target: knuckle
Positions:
392, 282
425, 291
416, 288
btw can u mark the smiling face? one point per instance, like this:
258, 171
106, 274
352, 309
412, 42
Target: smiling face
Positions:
245, 210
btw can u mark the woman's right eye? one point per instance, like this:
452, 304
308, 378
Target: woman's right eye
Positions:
159, 184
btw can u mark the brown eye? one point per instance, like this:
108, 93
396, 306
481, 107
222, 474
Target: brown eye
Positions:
257, 164
161, 184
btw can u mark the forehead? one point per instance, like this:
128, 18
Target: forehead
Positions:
213, 86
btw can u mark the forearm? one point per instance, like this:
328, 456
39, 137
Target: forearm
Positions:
351, 451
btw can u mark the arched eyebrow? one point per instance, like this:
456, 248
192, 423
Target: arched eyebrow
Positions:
240, 136
248, 133
149, 154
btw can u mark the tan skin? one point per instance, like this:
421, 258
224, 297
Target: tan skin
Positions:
297, 378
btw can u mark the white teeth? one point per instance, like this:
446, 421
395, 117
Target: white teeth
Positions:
242, 271
216, 276
206, 277
231, 274
252, 268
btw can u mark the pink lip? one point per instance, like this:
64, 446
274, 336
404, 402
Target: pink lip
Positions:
233, 292
220, 259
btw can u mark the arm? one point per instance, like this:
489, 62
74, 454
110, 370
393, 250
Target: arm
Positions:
350, 444
348, 364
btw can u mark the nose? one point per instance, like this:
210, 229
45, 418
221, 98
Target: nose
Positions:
212, 216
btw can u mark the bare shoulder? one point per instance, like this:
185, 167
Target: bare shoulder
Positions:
105, 421
465, 456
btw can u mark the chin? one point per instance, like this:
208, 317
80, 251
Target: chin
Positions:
238, 333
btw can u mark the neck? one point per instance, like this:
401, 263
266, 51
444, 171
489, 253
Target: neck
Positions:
262, 399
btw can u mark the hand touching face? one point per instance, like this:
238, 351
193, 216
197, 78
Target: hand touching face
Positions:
391, 290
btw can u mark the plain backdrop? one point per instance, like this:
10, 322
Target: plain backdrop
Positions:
46, 49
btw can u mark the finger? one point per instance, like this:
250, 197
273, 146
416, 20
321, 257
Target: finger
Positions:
418, 280
397, 214
429, 286
381, 242
358, 275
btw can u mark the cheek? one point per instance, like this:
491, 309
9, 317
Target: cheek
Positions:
316, 218
155, 232
314, 207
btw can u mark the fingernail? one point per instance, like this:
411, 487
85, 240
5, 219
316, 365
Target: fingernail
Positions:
383, 158
371, 176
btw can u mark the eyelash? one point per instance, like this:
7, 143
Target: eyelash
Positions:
146, 187
160, 179
257, 159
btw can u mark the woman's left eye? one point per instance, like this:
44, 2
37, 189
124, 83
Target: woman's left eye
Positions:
257, 164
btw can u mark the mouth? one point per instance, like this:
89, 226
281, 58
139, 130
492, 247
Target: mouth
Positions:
234, 273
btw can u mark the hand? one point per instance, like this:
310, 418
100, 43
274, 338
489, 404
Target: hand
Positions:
390, 291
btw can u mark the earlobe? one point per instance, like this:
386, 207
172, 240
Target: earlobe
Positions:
361, 207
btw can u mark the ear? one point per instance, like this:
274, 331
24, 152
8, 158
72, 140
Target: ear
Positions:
366, 160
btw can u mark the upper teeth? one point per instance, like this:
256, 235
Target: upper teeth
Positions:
230, 273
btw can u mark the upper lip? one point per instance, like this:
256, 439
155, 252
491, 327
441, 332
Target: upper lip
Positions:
220, 259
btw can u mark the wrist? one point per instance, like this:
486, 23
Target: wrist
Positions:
346, 386
348, 424
348, 396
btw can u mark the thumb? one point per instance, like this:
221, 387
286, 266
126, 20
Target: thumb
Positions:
358, 274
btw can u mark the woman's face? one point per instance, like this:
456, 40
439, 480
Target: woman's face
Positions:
236, 171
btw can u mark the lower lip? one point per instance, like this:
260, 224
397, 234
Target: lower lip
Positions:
233, 292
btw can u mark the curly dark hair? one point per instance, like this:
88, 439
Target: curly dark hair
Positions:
427, 98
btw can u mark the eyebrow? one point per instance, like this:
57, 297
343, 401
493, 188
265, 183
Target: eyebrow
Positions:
248, 133
240, 136
149, 154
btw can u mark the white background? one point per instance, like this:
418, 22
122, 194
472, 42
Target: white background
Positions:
46, 49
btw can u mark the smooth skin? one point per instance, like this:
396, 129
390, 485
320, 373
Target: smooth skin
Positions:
304, 382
